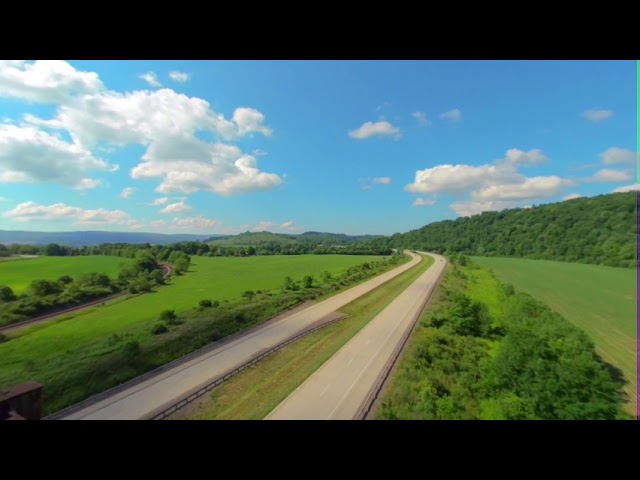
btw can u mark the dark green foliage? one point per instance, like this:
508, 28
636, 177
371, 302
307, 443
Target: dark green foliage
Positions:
6, 294
248, 294
308, 280
3, 338
65, 280
159, 328
205, 303
215, 304
542, 367
132, 349
42, 288
598, 230
168, 316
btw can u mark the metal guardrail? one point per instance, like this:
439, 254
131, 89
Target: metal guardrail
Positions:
367, 405
165, 410
162, 368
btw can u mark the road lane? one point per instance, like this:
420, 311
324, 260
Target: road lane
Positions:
338, 389
145, 397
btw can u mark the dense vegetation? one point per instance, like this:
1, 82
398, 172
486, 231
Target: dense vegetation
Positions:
49, 296
88, 354
599, 230
515, 360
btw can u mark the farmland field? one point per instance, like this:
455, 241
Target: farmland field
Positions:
46, 352
18, 273
599, 300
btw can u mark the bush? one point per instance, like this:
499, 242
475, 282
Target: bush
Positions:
215, 304
248, 294
159, 329
205, 303
168, 316
3, 338
132, 349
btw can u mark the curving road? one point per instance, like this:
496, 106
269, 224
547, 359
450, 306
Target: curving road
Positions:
339, 389
144, 398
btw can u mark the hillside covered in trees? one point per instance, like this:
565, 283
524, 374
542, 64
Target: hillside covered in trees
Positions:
598, 230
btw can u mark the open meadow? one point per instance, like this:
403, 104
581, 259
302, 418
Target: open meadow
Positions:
600, 300
19, 273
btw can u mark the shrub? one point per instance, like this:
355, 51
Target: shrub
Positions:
3, 338
159, 329
248, 294
132, 349
215, 304
168, 316
206, 303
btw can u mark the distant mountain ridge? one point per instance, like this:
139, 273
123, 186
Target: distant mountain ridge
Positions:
79, 239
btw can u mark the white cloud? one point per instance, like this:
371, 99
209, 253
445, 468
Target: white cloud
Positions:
615, 155
459, 179
422, 119
628, 188
158, 201
165, 123
454, 115
127, 192
369, 129
531, 188
33, 212
87, 184
176, 208
250, 120
515, 156
607, 175
382, 180
571, 196
151, 78
287, 225
597, 114
28, 154
46, 81
421, 202
366, 187
3, 199
198, 223
179, 77
262, 226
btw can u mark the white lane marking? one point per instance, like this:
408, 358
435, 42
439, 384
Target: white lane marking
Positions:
325, 389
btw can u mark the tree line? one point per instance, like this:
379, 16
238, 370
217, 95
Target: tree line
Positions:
597, 230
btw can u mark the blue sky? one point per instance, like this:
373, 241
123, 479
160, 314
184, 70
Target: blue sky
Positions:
289, 146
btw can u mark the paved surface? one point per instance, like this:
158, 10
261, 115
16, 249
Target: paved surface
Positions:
338, 389
145, 397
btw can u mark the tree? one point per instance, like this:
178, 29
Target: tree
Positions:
65, 280
168, 316
6, 294
308, 281
132, 349
54, 250
205, 303
42, 288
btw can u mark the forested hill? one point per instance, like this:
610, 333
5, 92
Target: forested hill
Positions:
598, 230
315, 238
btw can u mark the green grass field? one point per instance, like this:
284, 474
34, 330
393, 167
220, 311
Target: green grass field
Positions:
254, 393
19, 273
46, 351
599, 300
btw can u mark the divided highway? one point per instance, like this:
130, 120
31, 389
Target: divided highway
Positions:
142, 398
339, 389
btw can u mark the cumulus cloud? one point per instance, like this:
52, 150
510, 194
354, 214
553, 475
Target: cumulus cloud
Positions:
382, 180
422, 202
571, 196
180, 77
608, 175
198, 223
163, 121
127, 192
369, 129
454, 115
597, 114
87, 184
515, 156
28, 154
46, 81
492, 186
158, 201
151, 78
422, 119
614, 155
33, 212
628, 188
176, 208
